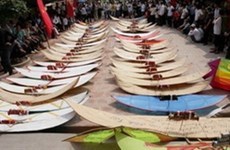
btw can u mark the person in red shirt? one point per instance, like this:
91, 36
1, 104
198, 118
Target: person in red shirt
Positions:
173, 3
176, 18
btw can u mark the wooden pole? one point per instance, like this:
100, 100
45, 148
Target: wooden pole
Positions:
47, 40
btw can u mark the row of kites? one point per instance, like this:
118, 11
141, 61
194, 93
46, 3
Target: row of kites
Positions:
220, 67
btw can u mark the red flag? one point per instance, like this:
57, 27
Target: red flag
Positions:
45, 17
70, 8
75, 4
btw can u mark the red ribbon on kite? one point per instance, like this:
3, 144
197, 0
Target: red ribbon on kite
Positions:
45, 17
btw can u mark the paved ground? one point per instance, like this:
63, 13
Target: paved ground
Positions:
101, 88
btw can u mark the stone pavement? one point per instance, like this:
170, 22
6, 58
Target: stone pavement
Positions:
101, 88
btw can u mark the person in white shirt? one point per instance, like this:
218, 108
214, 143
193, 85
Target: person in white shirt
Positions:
216, 11
143, 7
198, 15
195, 33
106, 10
170, 9
184, 14
130, 9
118, 9
217, 24
63, 7
161, 13
153, 12
65, 22
57, 22
185, 27
84, 13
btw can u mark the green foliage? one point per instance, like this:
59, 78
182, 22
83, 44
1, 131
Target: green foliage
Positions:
10, 9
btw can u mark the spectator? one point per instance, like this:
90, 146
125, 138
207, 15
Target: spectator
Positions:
130, 10
216, 11
113, 9
6, 45
95, 10
161, 12
106, 10
88, 9
217, 27
198, 15
195, 33
99, 10
153, 12
84, 13
185, 26
58, 9
170, 9
57, 22
184, 14
65, 22
207, 26
176, 18
118, 8
143, 8
227, 42
191, 11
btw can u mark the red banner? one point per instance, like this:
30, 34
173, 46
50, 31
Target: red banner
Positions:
45, 17
70, 4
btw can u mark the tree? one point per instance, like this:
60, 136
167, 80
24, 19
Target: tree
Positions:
11, 9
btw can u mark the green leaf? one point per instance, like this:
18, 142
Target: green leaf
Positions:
128, 143
142, 135
99, 136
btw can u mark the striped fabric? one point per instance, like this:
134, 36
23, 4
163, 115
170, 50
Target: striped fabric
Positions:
222, 76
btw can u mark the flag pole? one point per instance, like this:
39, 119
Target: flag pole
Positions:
47, 40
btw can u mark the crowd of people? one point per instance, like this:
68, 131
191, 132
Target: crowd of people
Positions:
25, 35
59, 17
203, 22
19, 38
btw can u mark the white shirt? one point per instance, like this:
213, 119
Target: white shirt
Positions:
170, 13
56, 20
217, 26
184, 13
106, 7
196, 33
65, 21
152, 11
142, 7
216, 13
162, 10
130, 7
83, 11
201, 32
58, 10
63, 7
198, 13
118, 6
109, 6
